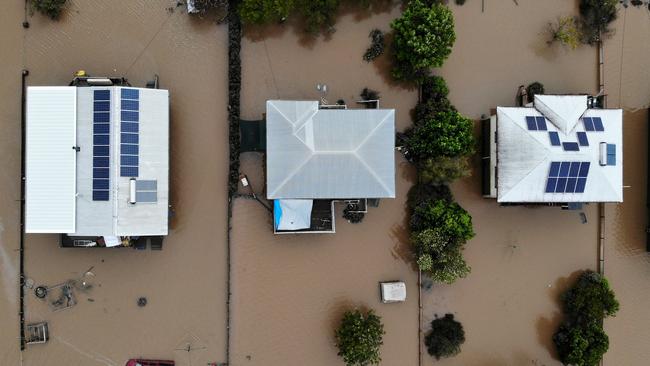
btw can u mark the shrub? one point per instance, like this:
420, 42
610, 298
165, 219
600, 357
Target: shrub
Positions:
50, 8
595, 16
443, 170
446, 133
448, 217
445, 338
423, 38
427, 192
376, 46
565, 31
580, 340
533, 89
439, 256
264, 11
353, 217
359, 337
434, 88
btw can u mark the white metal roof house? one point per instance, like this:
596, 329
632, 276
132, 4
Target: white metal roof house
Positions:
97, 161
556, 151
334, 154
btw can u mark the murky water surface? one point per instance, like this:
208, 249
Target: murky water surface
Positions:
289, 291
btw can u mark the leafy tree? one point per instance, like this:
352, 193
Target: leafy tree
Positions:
581, 346
580, 339
438, 256
427, 192
565, 31
446, 133
445, 338
318, 14
596, 15
590, 299
264, 11
50, 8
359, 337
454, 223
423, 38
443, 170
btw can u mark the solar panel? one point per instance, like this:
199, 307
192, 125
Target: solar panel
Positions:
150, 197
129, 160
128, 171
611, 154
146, 185
129, 138
102, 95
589, 124
100, 150
103, 117
555, 138
130, 116
598, 124
129, 132
100, 184
567, 177
531, 122
129, 149
101, 139
582, 139
541, 123
100, 172
100, 195
130, 105
130, 93
130, 127
103, 106
570, 146
101, 162
101, 128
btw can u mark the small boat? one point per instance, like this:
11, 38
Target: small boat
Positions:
141, 362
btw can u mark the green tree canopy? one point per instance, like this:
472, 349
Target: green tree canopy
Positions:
437, 256
590, 299
580, 339
50, 8
448, 217
359, 338
445, 338
423, 38
595, 16
581, 346
264, 11
446, 133
443, 170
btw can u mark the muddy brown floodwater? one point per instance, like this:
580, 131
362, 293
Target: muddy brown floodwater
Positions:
185, 283
290, 291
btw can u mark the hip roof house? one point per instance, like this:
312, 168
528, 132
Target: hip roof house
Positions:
318, 156
317, 153
557, 151
97, 161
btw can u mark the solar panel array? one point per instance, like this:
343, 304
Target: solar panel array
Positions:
611, 154
130, 132
593, 124
536, 123
101, 144
567, 177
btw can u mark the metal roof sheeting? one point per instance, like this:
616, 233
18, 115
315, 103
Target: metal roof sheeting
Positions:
525, 156
329, 153
50, 160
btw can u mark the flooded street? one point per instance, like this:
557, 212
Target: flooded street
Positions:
289, 292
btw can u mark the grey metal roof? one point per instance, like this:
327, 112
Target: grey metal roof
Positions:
114, 216
329, 153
